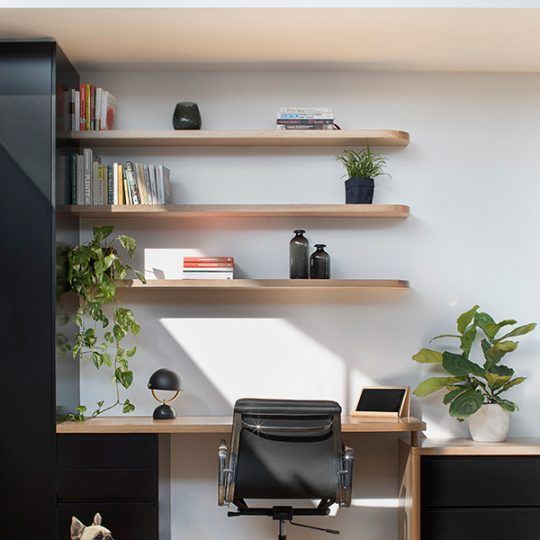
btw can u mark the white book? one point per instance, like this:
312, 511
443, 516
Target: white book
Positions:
153, 183
80, 179
115, 183
97, 108
166, 185
159, 182
208, 275
222, 269
87, 175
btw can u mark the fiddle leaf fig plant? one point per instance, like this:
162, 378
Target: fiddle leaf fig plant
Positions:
470, 384
93, 269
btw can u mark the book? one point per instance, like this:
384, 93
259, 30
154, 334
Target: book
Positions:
92, 107
82, 107
306, 110
80, 178
108, 111
207, 275
304, 121
88, 107
110, 184
208, 266
97, 108
121, 197
166, 181
134, 195
141, 184
209, 259
280, 127
148, 184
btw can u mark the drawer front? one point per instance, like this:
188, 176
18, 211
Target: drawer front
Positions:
107, 451
124, 520
107, 484
481, 524
480, 481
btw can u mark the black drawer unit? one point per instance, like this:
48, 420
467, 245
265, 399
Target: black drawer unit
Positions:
480, 497
115, 475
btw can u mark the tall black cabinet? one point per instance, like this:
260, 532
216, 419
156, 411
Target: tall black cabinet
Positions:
34, 76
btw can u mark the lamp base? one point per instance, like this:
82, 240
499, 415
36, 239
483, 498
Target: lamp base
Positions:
164, 412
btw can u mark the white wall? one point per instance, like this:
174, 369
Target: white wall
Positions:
470, 176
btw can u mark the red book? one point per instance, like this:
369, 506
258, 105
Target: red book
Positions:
208, 264
92, 107
82, 89
208, 259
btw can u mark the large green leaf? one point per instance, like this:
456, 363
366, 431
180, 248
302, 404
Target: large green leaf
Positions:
453, 394
506, 404
432, 384
428, 356
484, 321
467, 340
498, 376
520, 331
513, 382
494, 353
466, 318
459, 366
100, 233
491, 329
466, 404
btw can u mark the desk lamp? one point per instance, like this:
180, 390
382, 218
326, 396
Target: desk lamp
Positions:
165, 379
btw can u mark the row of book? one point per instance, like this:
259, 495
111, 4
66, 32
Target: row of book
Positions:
208, 268
91, 108
95, 183
305, 118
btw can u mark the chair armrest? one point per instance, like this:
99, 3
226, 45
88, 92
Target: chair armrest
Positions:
222, 472
346, 476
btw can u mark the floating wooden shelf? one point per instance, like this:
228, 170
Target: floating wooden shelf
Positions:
267, 284
359, 137
218, 425
240, 211
466, 447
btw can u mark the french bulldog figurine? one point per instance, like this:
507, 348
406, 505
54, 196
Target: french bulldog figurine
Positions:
92, 532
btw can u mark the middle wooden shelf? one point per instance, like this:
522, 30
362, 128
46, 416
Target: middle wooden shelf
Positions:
267, 284
239, 211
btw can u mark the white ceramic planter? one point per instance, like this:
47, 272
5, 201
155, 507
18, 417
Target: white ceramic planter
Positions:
490, 424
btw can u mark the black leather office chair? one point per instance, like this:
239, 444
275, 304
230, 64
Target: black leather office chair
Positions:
285, 449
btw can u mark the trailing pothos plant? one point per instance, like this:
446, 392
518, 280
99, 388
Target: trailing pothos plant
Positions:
470, 384
93, 269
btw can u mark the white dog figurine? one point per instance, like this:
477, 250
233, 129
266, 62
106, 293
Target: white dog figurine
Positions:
92, 532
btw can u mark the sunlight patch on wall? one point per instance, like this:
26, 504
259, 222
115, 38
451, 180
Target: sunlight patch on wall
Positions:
267, 357
166, 263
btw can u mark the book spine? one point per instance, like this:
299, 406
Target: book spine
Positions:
92, 107
121, 192
82, 107
87, 107
132, 183
109, 112
304, 121
304, 127
147, 184
127, 194
80, 179
73, 177
87, 152
209, 259
115, 183
97, 108
110, 184
166, 186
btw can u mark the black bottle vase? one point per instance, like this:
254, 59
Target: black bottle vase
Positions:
186, 116
299, 256
319, 263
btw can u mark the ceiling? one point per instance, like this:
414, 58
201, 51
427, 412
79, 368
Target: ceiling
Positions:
484, 39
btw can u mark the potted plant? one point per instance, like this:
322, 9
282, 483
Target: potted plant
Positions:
92, 271
362, 168
474, 390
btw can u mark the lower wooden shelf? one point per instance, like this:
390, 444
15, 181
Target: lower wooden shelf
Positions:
207, 211
219, 425
267, 284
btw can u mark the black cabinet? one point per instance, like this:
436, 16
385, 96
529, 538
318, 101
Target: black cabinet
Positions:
115, 475
480, 497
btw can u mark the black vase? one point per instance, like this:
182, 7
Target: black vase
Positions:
299, 256
319, 263
359, 190
186, 116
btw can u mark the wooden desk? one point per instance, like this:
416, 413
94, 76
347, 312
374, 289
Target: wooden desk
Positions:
220, 425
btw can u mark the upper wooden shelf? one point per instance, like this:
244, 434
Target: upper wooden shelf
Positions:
218, 425
267, 284
240, 211
359, 137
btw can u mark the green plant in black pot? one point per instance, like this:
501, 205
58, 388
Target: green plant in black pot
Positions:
362, 168
92, 271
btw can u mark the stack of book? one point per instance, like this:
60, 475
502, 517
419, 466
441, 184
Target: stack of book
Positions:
208, 268
91, 108
305, 118
94, 183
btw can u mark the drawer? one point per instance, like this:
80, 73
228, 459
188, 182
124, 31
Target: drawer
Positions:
480, 481
107, 484
481, 524
107, 451
124, 520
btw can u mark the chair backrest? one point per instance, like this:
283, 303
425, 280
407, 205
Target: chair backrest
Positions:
285, 449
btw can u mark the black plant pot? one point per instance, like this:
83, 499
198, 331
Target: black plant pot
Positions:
186, 116
359, 190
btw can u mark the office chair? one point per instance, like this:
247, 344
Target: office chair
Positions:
285, 449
